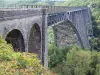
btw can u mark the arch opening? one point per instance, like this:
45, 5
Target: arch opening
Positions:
34, 44
66, 34
15, 38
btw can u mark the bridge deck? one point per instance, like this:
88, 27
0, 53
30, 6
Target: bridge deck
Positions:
54, 9
11, 13
55, 13
51, 9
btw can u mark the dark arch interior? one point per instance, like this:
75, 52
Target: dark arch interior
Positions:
16, 39
34, 44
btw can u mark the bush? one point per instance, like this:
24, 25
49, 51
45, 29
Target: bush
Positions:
57, 55
16, 63
95, 44
95, 64
78, 62
75, 61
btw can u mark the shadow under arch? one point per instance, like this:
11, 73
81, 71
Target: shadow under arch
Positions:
34, 43
73, 27
15, 38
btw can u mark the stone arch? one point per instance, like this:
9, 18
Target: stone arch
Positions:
34, 43
15, 38
76, 33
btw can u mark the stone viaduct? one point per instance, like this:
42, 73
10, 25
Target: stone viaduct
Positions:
26, 27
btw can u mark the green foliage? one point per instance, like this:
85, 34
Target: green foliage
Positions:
50, 36
95, 44
56, 55
5, 50
41, 3
97, 69
16, 63
75, 61
73, 3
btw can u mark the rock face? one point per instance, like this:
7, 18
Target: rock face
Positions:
26, 28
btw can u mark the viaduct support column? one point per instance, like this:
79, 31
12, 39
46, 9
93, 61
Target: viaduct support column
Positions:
44, 38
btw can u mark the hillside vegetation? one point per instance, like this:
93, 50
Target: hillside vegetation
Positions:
16, 63
74, 61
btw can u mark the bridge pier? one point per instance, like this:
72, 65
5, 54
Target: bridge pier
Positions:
44, 38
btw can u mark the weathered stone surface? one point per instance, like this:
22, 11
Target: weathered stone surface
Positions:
25, 26
31, 24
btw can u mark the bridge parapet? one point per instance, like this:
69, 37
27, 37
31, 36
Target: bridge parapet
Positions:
59, 13
11, 13
55, 9
67, 15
